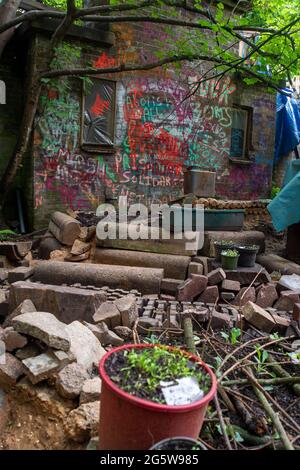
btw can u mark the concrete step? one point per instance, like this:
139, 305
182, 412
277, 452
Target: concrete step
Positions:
241, 238
277, 263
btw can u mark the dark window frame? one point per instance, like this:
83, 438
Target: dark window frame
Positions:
92, 146
248, 146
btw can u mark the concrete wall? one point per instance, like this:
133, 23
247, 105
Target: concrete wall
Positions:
157, 134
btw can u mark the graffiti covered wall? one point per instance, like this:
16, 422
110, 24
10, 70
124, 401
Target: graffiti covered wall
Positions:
159, 130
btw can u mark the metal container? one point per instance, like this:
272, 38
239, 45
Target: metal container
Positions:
199, 182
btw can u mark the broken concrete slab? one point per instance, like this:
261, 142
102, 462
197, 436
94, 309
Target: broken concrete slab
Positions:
45, 327
11, 370
109, 313
145, 280
24, 307
63, 357
65, 228
216, 276
91, 390
174, 266
287, 300
104, 335
241, 238
40, 367
191, 288
66, 303
83, 422
147, 325
258, 317
128, 309
30, 350
84, 345
70, 380
20, 274
245, 295
266, 296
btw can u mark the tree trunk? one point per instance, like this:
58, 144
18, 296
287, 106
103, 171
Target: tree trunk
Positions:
8, 11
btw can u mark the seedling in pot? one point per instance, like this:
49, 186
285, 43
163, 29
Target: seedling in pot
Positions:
230, 253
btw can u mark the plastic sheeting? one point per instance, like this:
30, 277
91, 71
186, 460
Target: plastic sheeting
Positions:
287, 124
99, 110
285, 207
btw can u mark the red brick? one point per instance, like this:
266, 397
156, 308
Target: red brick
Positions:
210, 295
216, 276
266, 296
287, 300
245, 295
191, 288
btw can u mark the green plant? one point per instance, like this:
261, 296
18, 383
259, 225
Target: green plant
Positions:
230, 253
224, 242
261, 358
158, 364
235, 333
274, 191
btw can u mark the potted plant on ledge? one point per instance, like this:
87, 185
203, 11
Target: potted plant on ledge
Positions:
152, 392
222, 245
247, 255
229, 259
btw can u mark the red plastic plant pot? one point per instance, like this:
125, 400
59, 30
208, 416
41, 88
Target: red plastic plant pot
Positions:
131, 423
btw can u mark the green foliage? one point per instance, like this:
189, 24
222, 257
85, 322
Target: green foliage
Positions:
157, 364
274, 191
61, 4
230, 253
261, 358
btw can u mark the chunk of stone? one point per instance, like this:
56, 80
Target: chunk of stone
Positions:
83, 422
195, 268
146, 325
191, 288
296, 313
91, 390
65, 228
63, 357
12, 339
128, 309
258, 317
169, 286
104, 335
287, 300
245, 295
227, 296
216, 276
70, 380
20, 274
84, 345
25, 307
109, 313
220, 320
266, 296
210, 295
40, 367
79, 247
45, 327
231, 286
11, 369
281, 323
4, 410
123, 332
30, 350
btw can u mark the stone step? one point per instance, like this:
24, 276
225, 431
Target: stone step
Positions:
242, 238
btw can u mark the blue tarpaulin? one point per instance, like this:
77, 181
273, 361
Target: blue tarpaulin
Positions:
285, 207
287, 124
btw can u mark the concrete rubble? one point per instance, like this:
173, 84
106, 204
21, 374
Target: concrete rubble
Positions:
58, 318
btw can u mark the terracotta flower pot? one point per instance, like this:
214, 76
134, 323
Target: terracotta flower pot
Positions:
131, 423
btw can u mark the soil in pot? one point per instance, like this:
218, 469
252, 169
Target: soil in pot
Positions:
247, 255
148, 373
229, 259
221, 245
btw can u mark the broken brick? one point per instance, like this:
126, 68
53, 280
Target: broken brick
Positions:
191, 288
258, 317
287, 300
245, 295
266, 296
210, 295
231, 286
216, 277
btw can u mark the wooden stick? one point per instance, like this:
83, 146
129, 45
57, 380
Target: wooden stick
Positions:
270, 412
276, 381
222, 423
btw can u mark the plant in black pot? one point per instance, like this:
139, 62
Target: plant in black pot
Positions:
229, 259
247, 255
222, 245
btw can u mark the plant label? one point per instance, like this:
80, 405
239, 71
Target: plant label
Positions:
185, 391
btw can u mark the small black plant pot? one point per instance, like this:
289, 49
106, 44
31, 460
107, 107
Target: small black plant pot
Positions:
247, 255
178, 443
219, 247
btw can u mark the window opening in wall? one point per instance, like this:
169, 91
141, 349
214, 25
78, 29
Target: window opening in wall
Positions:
98, 115
241, 132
